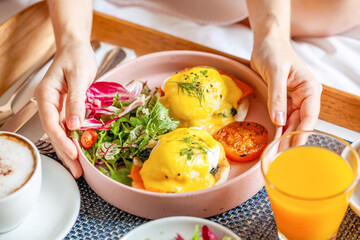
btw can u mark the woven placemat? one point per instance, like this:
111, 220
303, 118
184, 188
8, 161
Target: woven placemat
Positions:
252, 219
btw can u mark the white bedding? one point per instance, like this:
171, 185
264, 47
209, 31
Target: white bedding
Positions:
334, 60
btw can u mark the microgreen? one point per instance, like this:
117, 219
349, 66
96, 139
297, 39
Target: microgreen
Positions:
193, 88
193, 148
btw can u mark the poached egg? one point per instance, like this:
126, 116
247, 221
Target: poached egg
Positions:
184, 160
202, 97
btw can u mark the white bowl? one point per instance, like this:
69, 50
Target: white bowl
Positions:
168, 228
355, 198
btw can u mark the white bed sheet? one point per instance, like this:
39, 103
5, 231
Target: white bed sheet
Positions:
335, 60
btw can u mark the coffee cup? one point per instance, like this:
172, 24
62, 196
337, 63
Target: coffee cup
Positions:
20, 179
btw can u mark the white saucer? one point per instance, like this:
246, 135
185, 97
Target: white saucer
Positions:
355, 198
167, 228
57, 208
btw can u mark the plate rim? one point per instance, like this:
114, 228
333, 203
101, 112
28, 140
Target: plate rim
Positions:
196, 220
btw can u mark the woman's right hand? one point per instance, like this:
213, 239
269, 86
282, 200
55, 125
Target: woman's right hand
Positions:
61, 98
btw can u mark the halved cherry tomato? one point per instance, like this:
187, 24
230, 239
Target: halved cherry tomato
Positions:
242, 141
246, 89
88, 138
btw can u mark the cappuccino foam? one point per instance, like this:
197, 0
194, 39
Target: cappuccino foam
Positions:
17, 164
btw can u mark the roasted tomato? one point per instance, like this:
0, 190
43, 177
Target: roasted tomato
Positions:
88, 138
242, 141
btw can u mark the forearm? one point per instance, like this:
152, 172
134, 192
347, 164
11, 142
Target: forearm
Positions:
71, 20
269, 19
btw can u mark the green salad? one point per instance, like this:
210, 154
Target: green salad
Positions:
122, 122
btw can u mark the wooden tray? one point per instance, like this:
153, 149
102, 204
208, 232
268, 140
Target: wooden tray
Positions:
26, 40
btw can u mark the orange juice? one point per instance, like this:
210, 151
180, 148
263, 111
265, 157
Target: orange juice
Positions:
308, 196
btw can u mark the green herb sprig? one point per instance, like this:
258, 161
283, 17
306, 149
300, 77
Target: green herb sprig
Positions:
193, 148
193, 88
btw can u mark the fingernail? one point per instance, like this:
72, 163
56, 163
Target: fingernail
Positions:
69, 155
73, 173
280, 118
67, 167
74, 122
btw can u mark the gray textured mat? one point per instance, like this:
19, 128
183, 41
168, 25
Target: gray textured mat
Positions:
251, 220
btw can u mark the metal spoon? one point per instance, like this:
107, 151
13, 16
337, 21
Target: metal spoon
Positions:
111, 60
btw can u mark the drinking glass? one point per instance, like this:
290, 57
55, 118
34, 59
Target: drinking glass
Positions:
309, 177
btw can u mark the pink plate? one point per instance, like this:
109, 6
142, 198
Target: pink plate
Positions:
245, 179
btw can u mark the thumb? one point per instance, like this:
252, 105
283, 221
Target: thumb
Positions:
75, 101
277, 99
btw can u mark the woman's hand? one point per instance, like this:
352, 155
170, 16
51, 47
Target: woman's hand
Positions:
61, 98
293, 92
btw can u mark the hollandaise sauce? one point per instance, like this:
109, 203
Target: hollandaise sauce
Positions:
182, 161
202, 97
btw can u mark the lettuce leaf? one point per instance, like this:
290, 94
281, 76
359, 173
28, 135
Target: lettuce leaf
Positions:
126, 120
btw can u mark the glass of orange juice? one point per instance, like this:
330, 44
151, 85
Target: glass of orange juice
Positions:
309, 177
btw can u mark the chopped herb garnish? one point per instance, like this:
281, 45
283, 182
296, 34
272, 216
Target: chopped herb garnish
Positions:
193, 148
214, 170
204, 72
233, 111
193, 89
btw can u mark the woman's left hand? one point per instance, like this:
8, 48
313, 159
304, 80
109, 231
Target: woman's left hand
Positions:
293, 91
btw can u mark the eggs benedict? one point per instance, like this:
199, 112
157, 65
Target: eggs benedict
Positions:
184, 160
206, 98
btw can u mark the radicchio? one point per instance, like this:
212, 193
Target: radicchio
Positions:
135, 87
207, 234
102, 93
99, 102
178, 237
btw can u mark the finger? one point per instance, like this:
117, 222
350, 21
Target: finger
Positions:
78, 82
291, 125
49, 104
293, 121
60, 140
73, 166
309, 112
277, 101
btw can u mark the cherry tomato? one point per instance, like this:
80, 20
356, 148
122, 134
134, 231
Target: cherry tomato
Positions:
242, 141
88, 138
